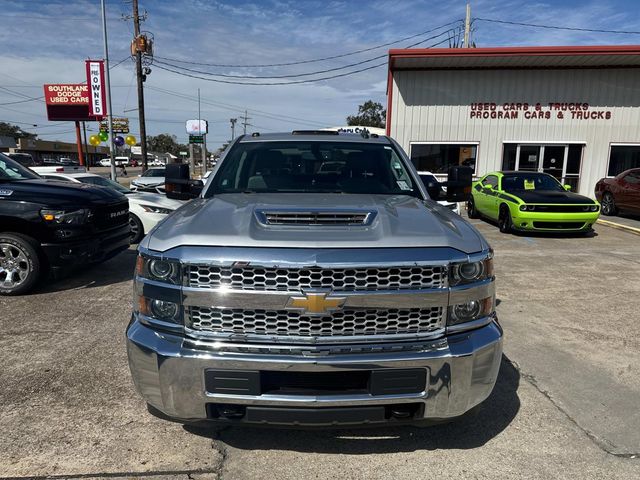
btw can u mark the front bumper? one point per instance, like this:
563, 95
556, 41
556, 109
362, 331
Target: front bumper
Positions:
554, 222
169, 372
68, 255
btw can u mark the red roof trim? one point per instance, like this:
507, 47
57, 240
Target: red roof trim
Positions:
512, 52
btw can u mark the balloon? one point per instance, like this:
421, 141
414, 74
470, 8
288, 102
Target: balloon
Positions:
119, 141
104, 136
130, 140
94, 140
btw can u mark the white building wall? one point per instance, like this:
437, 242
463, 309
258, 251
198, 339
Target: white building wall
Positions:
435, 106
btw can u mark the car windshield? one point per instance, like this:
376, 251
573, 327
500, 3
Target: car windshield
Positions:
313, 167
154, 172
104, 182
12, 170
530, 181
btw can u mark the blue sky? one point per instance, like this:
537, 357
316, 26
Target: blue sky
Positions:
47, 41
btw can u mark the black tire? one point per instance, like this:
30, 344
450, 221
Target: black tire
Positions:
609, 205
472, 211
504, 220
137, 230
20, 265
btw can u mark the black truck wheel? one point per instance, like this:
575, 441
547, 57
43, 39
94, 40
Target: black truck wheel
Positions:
19, 263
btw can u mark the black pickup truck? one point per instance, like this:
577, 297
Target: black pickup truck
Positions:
49, 227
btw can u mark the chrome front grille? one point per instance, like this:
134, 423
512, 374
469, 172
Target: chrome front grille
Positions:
348, 322
336, 279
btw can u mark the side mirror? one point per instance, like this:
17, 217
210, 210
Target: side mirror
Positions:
434, 189
567, 188
488, 187
178, 184
459, 182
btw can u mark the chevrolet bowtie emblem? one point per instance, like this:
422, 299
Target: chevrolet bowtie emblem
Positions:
315, 303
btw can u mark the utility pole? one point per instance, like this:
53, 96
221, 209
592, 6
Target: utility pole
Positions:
107, 84
140, 77
245, 122
467, 26
233, 127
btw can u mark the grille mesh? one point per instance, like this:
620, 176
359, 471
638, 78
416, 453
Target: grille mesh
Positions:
343, 323
345, 279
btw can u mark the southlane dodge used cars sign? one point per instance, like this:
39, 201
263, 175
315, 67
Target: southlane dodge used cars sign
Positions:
95, 81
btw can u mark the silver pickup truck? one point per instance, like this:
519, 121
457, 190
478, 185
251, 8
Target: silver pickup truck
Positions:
314, 281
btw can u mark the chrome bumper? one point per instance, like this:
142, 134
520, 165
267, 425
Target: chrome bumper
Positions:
461, 371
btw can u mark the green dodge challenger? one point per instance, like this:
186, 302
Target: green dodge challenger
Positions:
531, 201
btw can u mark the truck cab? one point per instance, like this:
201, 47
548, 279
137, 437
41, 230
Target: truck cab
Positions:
314, 281
49, 227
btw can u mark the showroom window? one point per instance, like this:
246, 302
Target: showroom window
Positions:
438, 157
623, 157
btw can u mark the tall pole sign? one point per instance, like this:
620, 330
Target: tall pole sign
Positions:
96, 83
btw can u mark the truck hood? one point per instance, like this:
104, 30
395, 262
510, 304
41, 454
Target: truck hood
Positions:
59, 194
231, 220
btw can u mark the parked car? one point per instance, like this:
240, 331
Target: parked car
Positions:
145, 209
429, 178
105, 162
150, 181
51, 227
620, 193
121, 161
285, 295
531, 201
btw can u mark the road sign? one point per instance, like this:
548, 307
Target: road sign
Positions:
120, 125
196, 138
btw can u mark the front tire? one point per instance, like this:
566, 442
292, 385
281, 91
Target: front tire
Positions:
20, 265
504, 220
472, 211
609, 205
137, 229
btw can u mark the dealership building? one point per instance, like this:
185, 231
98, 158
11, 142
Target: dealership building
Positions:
572, 112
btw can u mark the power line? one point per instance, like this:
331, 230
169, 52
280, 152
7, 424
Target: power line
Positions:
238, 109
314, 60
295, 82
556, 27
298, 75
40, 98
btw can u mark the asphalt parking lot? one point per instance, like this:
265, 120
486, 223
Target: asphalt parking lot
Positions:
565, 405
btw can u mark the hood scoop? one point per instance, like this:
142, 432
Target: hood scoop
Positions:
308, 217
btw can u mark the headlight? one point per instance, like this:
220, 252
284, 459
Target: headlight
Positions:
65, 217
160, 269
469, 311
159, 309
469, 272
594, 208
153, 209
523, 208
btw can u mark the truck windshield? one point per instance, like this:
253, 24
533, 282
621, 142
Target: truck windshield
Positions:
530, 181
12, 170
313, 167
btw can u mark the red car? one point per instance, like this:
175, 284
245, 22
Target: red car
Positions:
620, 193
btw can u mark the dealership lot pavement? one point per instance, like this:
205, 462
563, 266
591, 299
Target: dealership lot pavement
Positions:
565, 406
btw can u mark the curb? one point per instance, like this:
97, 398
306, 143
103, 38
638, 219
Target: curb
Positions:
619, 226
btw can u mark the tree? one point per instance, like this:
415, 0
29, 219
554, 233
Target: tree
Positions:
370, 114
8, 130
164, 143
